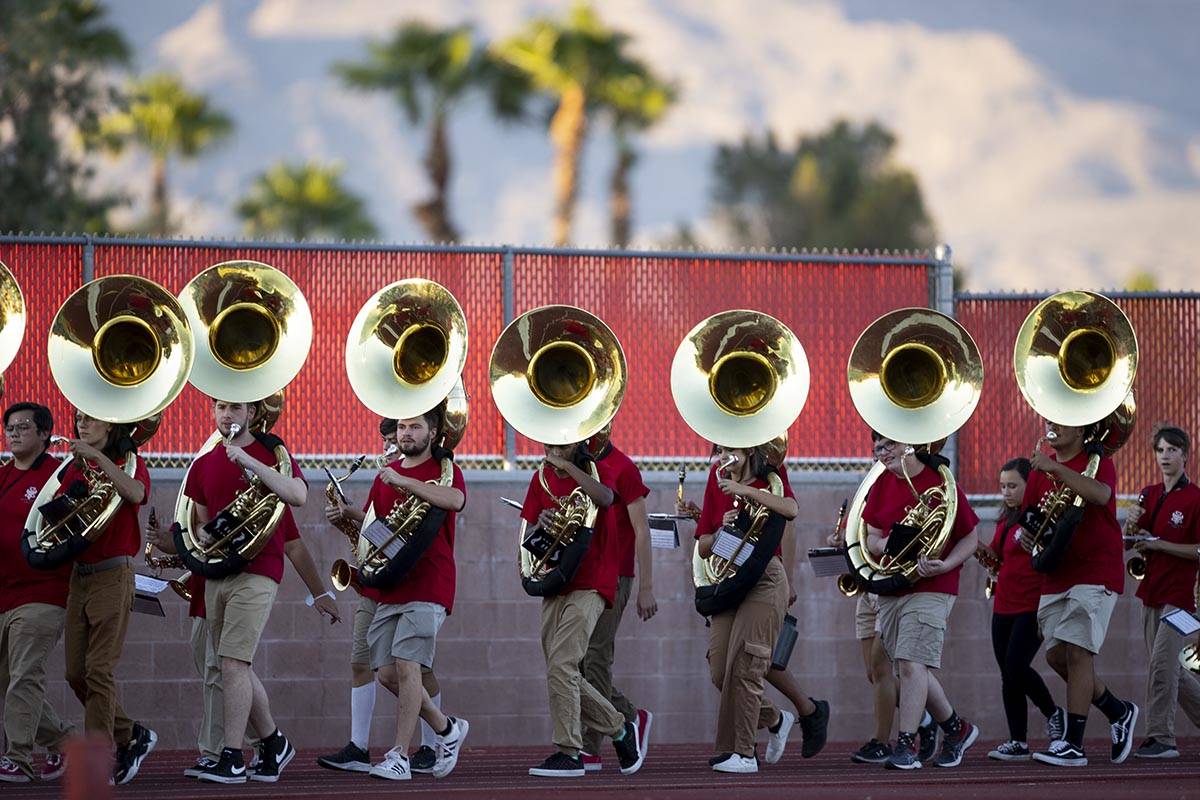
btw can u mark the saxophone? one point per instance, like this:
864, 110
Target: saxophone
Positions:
343, 574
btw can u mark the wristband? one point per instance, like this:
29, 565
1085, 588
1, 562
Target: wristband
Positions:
310, 600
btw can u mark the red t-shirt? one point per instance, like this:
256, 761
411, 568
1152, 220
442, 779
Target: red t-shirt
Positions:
891, 498
628, 488
123, 534
598, 569
432, 578
195, 583
1170, 580
1095, 555
19, 582
214, 481
716, 502
1018, 584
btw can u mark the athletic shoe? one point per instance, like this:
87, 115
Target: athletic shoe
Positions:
1122, 733
203, 764
276, 752
591, 763
955, 747
928, 735
131, 756
873, 752
630, 753
394, 767
225, 771
735, 763
644, 720
815, 728
423, 760
1152, 748
11, 773
1062, 754
1056, 725
1012, 750
777, 740
55, 766
902, 757
449, 746
351, 758
559, 765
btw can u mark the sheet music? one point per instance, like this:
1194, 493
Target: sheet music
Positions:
1182, 621
827, 561
148, 585
377, 533
664, 533
725, 544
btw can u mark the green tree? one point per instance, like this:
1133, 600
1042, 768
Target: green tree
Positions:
644, 99
51, 53
429, 71
581, 65
165, 118
1141, 280
304, 201
835, 189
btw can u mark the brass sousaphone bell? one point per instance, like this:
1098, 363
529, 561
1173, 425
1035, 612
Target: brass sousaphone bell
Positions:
12, 320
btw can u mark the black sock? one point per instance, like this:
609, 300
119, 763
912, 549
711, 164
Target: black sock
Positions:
1076, 723
449, 727
1110, 706
812, 713
234, 754
778, 724
952, 724
906, 739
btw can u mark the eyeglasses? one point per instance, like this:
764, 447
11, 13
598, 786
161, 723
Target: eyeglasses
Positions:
882, 447
19, 427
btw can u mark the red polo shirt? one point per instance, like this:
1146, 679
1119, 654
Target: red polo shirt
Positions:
598, 569
20, 583
890, 500
1174, 517
628, 488
1095, 555
123, 534
432, 578
1018, 584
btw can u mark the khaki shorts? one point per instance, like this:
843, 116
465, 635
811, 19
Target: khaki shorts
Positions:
360, 653
1079, 616
913, 626
404, 631
866, 616
237, 609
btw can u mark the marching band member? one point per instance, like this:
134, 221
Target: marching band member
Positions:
1078, 597
32, 604
1170, 511
913, 622
1015, 637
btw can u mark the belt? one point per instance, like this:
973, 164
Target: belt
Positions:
102, 566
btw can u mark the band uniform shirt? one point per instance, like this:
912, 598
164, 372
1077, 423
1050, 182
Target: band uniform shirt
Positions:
598, 568
1096, 553
20, 583
195, 583
891, 499
1173, 517
716, 502
1018, 584
432, 579
123, 534
214, 481
628, 488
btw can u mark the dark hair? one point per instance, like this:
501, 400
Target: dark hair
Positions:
1021, 465
119, 442
387, 426
43, 420
1171, 434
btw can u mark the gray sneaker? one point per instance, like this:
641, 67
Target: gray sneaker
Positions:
1152, 748
1056, 725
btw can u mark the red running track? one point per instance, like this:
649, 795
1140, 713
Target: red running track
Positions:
680, 772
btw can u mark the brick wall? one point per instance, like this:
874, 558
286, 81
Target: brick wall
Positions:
489, 658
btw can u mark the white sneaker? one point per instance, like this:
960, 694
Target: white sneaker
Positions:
448, 747
394, 767
738, 764
778, 740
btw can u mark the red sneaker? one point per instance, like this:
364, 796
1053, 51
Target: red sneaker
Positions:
591, 763
644, 719
11, 773
55, 766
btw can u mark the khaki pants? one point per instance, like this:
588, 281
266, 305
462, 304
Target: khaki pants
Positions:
27, 635
740, 642
211, 739
567, 624
1166, 679
98, 608
597, 664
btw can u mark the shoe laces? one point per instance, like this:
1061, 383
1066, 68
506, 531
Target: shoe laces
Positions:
1059, 745
1119, 731
7, 763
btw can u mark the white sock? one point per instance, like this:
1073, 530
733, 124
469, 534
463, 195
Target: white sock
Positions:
428, 737
362, 709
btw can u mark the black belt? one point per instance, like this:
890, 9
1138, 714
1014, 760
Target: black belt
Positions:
102, 566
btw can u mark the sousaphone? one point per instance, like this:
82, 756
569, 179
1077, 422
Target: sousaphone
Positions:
12, 320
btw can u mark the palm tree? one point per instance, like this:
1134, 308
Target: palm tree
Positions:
430, 70
644, 99
302, 201
164, 117
580, 64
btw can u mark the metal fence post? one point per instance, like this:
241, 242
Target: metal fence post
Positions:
89, 259
944, 302
510, 435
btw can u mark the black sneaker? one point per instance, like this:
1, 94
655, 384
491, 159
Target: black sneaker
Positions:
423, 760
1056, 725
1012, 750
203, 764
815, 728
229, 769
1122, 733
1153, 748
351, 758
903, 757
131, 756
629, 751
1062, 754
928, 735
276, 753
559, 765
873, 752
954, 747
